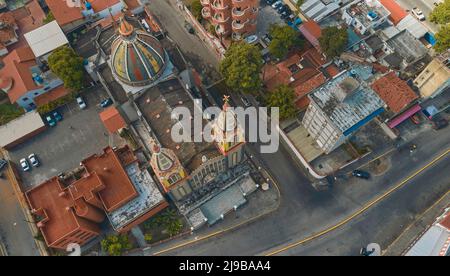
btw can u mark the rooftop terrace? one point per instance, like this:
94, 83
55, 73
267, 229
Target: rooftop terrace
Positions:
359, 100
367, 11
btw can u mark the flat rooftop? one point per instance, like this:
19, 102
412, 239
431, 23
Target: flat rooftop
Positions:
367, 11
156, 105
360, 101
20, 127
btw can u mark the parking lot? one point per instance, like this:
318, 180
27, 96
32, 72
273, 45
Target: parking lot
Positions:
61, 148
266, 17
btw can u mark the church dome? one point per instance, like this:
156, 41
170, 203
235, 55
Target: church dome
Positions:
137, 58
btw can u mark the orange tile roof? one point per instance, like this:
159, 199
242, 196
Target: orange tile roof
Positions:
63, 13
51, 95
397, 12
29, 17
17, 66
55, 206
8, 31
112, 119
118, 187
132, 4
394, 92
99, 5
312, 32
446, 221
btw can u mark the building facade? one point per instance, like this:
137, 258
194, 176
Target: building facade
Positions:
231, 18
435, 78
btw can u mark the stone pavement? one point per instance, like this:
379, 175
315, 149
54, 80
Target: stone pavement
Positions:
416, 229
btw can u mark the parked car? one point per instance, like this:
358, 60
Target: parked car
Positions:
34, 160
3, 164
277, 4
57, 116
81, 103
282, 9
415, 119
189, 28
361, 174
439, 123
267, 38
270, 2
50, 120
106, 103
24, 164
418, 14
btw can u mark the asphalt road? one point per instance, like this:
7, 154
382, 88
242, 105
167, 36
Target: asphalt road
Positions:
426, 6
303, 210
14, 230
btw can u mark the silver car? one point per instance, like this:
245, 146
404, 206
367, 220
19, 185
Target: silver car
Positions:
24, 164
81, 103
34, 160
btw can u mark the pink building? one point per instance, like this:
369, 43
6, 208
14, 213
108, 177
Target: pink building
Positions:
231, 18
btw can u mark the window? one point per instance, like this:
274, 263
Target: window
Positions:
174, 178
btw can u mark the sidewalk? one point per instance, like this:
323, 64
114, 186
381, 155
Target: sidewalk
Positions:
416, 229
259, 204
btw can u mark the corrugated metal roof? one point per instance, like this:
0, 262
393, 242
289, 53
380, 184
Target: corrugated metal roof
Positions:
46, 38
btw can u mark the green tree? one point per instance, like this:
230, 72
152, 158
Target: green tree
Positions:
68, 66
241, 68
9, 112
174, 227
196, 8
283, 97
148, 237
49, 18
299, 3
441, 14
443, 39
283, 39
333, 41
115, 245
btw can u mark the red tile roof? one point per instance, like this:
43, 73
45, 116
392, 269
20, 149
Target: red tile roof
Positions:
397, 12
445, 222
29, 17
100, 5
312, 32
17, 67
8, 30
118, 187
51, 95
394, 92
63, 13
112, 119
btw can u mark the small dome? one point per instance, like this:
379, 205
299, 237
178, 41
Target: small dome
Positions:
137, 58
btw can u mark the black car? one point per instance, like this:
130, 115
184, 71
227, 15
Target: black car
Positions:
439, 123
270, 2
282, 9
189, 28
361, 174
2, 164
106, 102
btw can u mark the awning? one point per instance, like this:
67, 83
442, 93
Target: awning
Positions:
405, 115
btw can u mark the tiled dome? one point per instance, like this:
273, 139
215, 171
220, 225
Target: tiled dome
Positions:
137, 58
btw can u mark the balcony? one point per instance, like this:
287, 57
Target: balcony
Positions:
238, 13
218, 6
205, 3
206, 13
218, 19
238, 26
236, 36
220, 30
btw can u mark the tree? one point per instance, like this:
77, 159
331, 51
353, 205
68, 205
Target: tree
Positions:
148, 237
283, 97
241, 68
299, 3
283, 39
196, 9
333, 41
49, 18
441, 14
174, 227
9, 112
68, 66
115, 245
443, 39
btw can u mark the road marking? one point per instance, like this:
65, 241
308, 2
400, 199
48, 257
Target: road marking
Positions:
362, 210
414, 222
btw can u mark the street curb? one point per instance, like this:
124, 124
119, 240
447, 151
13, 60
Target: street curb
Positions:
229, 229
365, 208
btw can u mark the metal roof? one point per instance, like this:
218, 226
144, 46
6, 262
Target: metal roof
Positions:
45, 39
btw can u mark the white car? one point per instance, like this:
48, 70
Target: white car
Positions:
81, 102
24, 164
418, 14
34, 160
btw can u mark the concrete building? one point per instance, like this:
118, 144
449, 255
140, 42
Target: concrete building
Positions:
435, 241
69, 209
21, 129
340, 107
231, 18
319, 9
365, 16
435, 78
24, 80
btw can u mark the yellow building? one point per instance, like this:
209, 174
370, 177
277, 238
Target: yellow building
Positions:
435, 78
